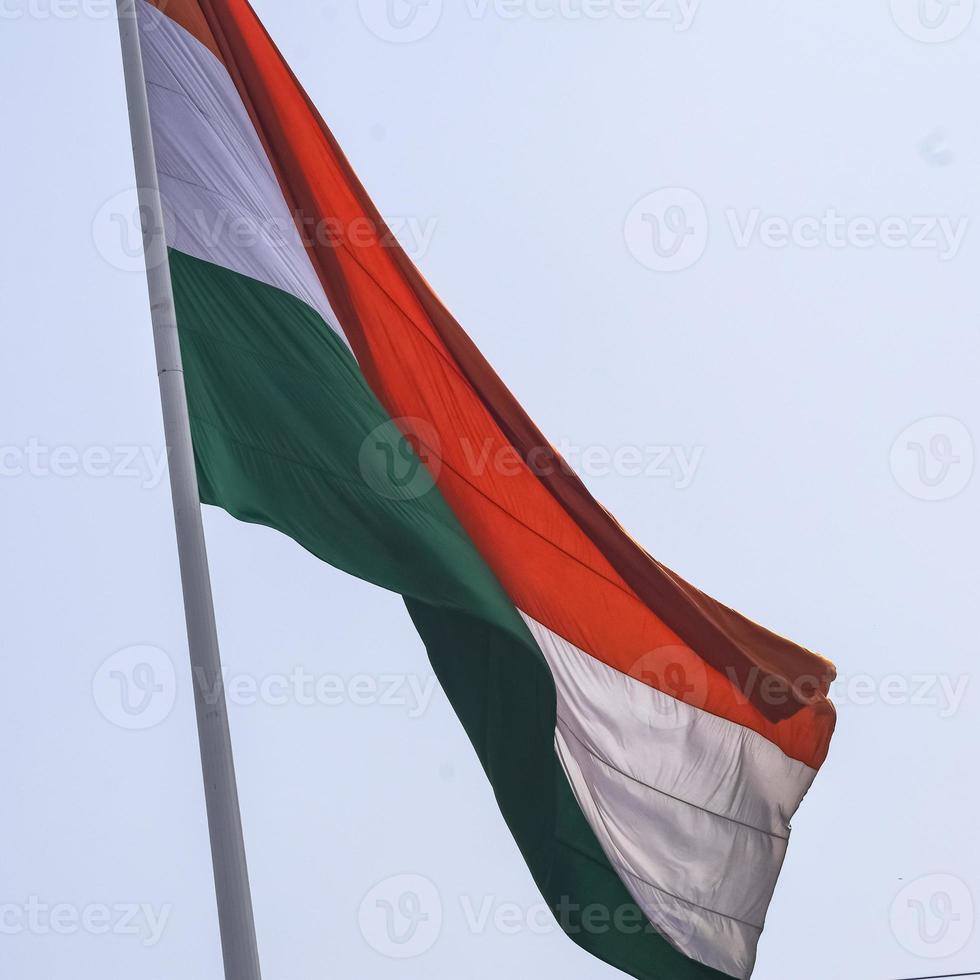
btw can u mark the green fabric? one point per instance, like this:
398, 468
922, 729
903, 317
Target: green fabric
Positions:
281, 416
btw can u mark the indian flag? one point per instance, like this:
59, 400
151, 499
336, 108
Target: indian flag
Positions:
647, 746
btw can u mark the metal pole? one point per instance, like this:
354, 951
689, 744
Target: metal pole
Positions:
235, 918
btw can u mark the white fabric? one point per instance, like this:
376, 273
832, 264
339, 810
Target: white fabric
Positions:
223, 202
692, 810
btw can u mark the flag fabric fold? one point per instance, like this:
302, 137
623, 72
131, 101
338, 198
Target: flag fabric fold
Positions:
647, 746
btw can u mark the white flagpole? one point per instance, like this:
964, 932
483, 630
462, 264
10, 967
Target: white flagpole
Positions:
235, 918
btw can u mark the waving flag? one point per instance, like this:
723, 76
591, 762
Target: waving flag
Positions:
647, 746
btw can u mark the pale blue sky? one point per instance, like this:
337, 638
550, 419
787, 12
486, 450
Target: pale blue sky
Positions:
779, 365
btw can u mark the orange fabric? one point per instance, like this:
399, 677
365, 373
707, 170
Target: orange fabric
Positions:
552, 569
